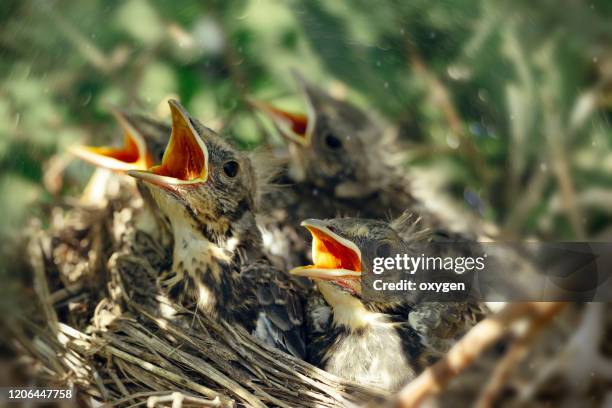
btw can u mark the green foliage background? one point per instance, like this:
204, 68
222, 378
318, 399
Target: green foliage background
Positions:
509, 101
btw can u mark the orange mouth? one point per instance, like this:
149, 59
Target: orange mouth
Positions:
335, 258
328, 253
133, 155
297, 121
185, 160
293, 126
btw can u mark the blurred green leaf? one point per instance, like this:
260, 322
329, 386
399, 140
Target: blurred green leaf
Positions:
141, 21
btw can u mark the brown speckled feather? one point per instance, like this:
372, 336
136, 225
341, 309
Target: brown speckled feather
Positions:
280, 321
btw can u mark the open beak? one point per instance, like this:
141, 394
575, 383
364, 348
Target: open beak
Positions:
185, 161
295, 127
133, 155
335, 258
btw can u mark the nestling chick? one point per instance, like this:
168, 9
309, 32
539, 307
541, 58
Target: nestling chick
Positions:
144, 141
341, 150
370, 342
208, 191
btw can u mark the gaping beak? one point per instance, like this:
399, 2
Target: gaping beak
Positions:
335, 258
133, 155
185, 160
295, 127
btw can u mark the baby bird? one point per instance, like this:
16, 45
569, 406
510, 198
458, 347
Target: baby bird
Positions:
342, 151
144, 141
380, 343
341, 163
208, 191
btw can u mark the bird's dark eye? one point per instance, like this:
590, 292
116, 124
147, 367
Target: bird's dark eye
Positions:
383, 251
333, 142
231, 168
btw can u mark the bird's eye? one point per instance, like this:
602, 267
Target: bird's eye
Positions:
230, 168
333, 142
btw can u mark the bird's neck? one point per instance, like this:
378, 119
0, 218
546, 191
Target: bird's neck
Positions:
192, 248
348, 311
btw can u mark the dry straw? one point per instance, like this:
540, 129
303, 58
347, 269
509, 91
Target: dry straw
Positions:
138, 348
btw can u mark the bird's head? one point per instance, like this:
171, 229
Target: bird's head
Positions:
334, 145
343, 250
202, 181
138, 151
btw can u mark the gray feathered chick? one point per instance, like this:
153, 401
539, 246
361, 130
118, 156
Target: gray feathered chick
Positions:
383, 343
207, 189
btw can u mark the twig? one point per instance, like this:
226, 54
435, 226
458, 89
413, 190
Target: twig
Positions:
62, 294
118, 383
472, 345
513, 356
135, 397
100, 385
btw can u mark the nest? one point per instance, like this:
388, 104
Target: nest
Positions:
103, 325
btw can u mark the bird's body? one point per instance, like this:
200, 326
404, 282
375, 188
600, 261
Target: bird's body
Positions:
359, 342
230, 280
208, 191
382, 343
